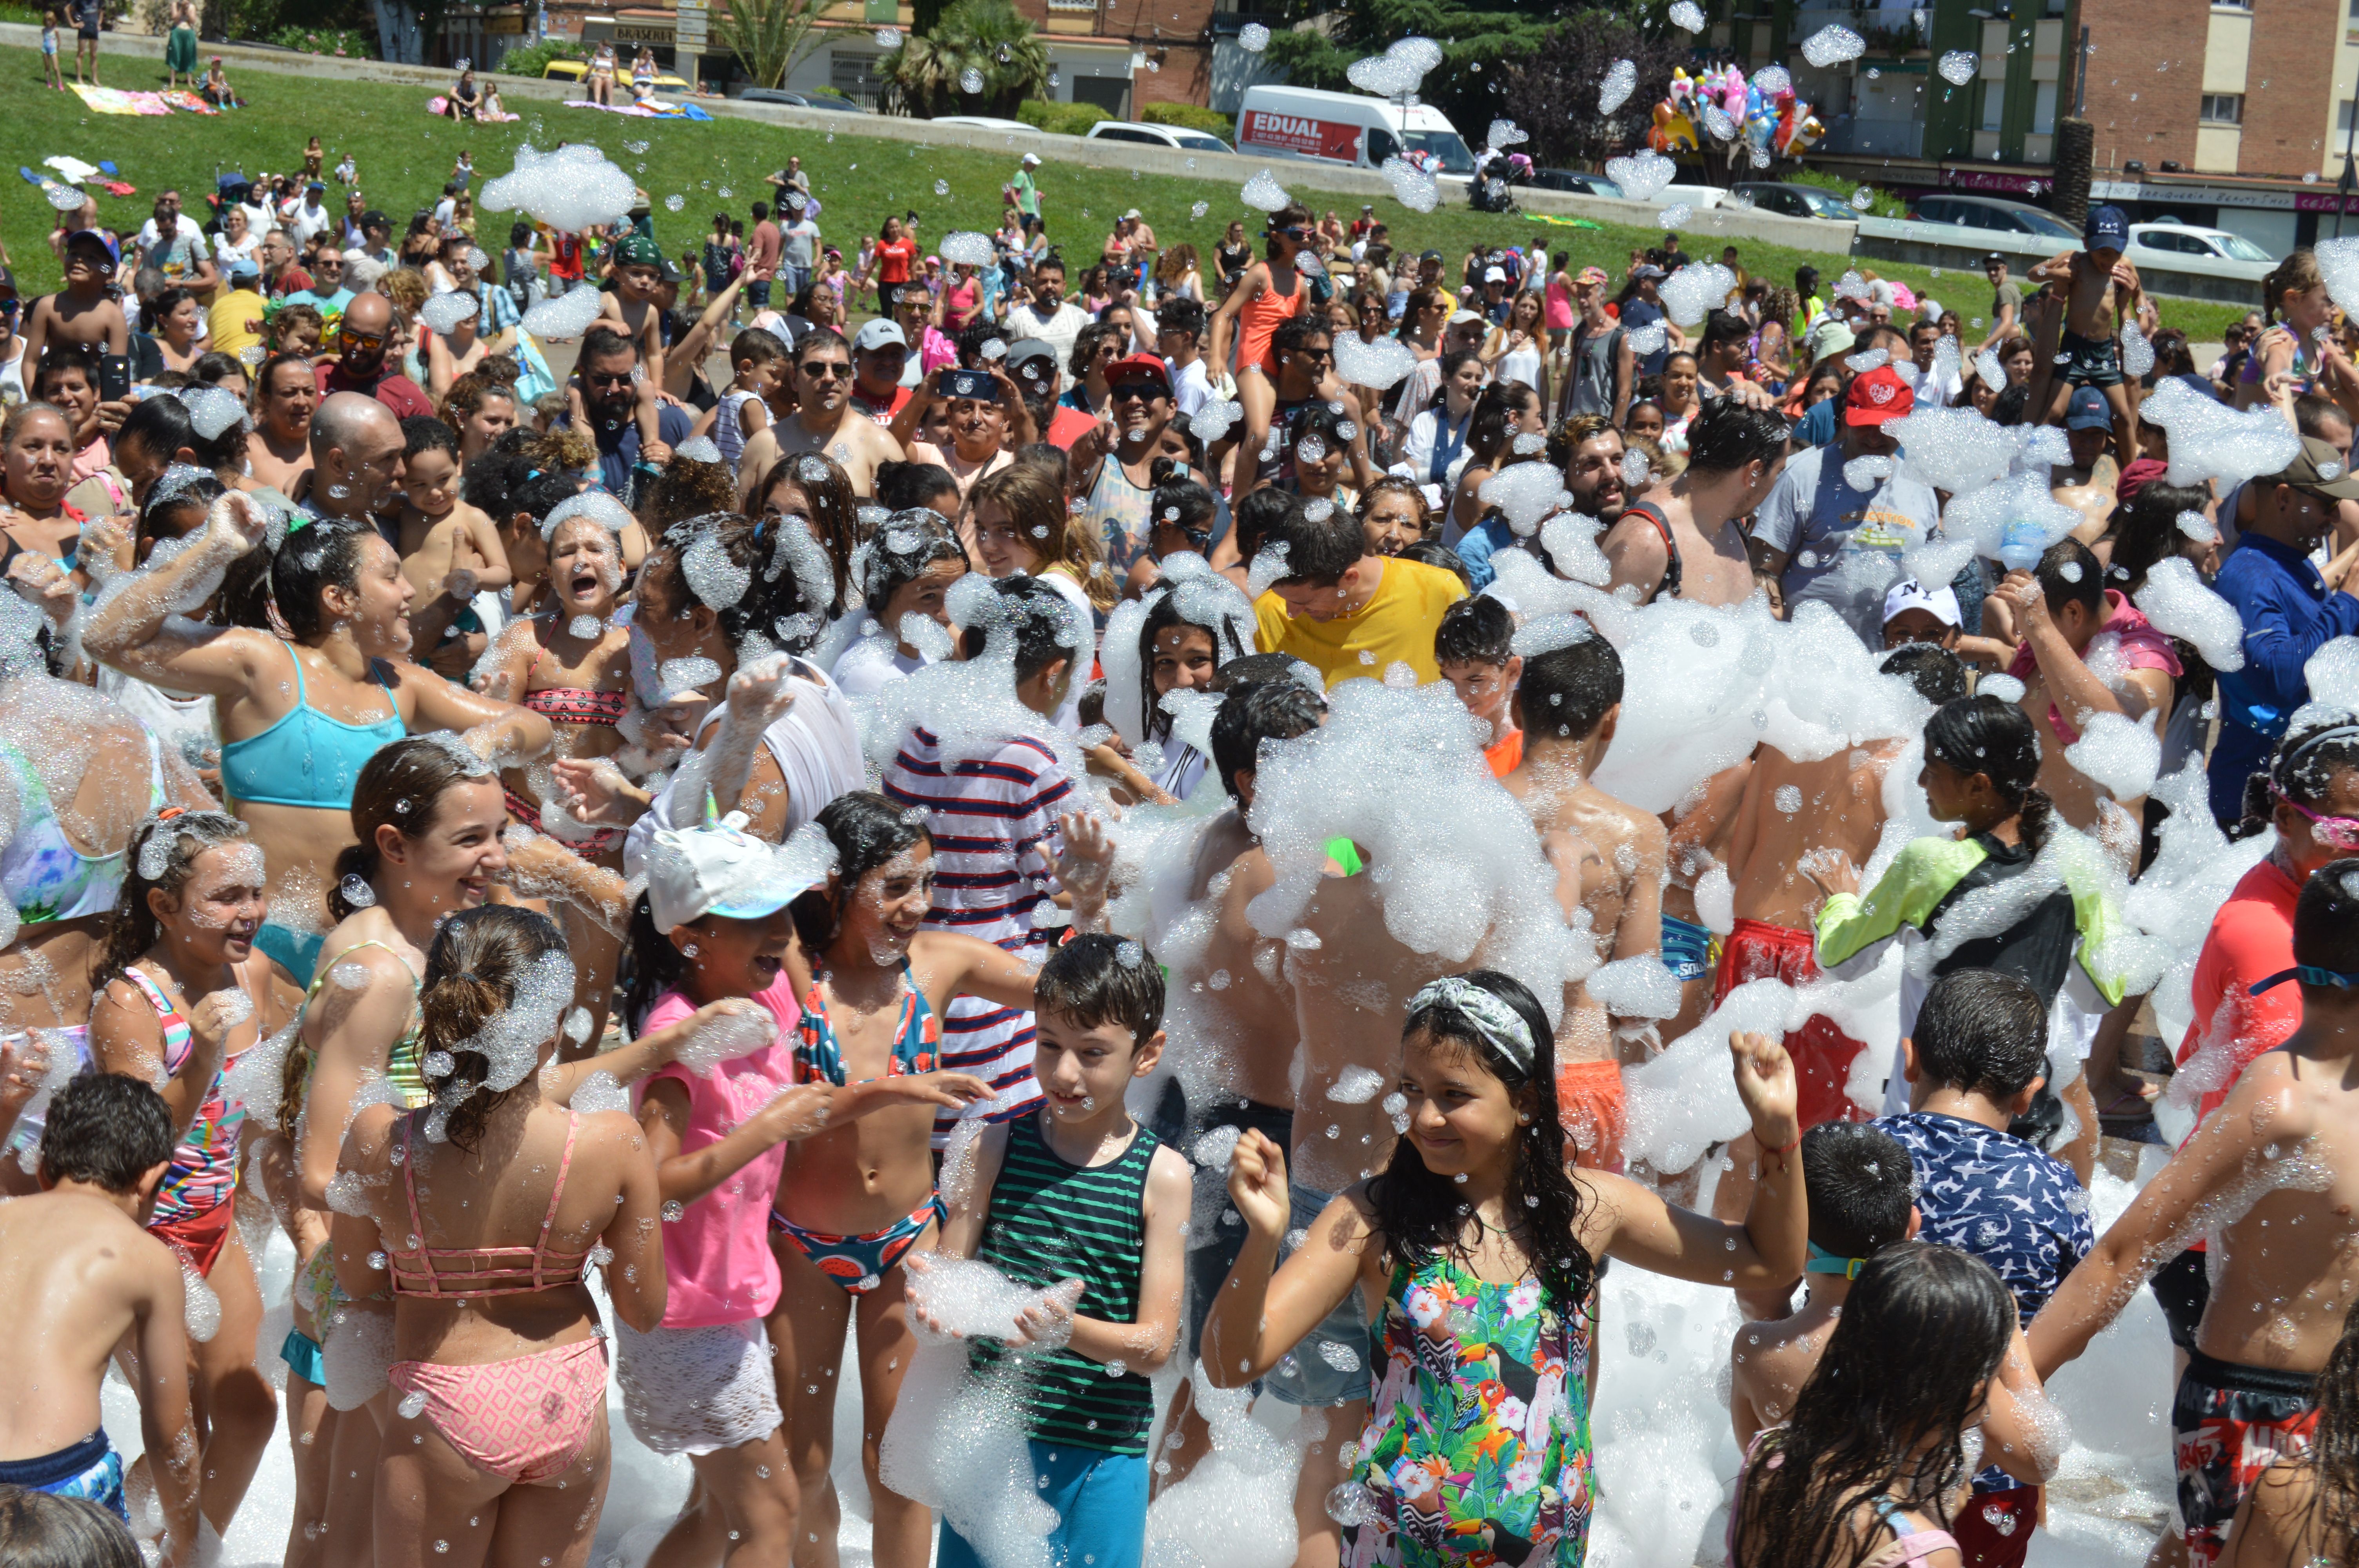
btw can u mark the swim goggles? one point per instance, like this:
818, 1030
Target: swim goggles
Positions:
1825, 1262
2338, 833
2308, 975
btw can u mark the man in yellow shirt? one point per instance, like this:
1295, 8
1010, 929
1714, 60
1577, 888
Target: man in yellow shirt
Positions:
234, 322
1344, 611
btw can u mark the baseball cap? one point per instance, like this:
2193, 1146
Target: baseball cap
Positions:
316, 187
372, 219
1878, 395
717, 868
1647, 269
243, 267
1367, 206
638, 250
1830, 336
1495, 275
2321, 471
1430, 256
1136, 367
1030, 159
1591, 278
1992, 260
1942, 603
877, 334
1134, 214
112, 254
2088, 411
2108, 230
1032, 359
1463, 317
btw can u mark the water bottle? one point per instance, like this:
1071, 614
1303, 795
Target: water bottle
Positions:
2022, 545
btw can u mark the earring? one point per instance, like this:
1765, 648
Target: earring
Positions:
1525, 1116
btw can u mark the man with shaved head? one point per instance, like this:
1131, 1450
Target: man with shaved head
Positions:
356, 459
360, 365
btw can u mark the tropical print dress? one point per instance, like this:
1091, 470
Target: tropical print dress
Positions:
1476, 1449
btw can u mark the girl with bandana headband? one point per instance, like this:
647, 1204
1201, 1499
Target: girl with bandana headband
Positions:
1478, 1250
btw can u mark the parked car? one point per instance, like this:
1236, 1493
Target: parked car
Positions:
1351, 129
1985, 220
575, 69
985, 123
813, 98
2187, 247
1574, 181
1796, 201
1176, 137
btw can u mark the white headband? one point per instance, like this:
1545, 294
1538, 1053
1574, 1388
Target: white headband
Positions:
1492, 1018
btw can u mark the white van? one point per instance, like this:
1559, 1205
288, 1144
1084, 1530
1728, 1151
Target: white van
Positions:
1346, 128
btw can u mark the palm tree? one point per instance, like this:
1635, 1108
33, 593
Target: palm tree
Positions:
984, 43
768, 36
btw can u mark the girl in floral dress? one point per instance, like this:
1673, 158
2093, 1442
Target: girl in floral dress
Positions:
1477, 1254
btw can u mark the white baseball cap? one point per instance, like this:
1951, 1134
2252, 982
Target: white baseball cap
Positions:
718, 869
1495, 275
1942, 603
1031, 157
879, 334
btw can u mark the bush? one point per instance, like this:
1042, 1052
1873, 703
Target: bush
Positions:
1190, 117
534, 58
1061, 119
1884, 204
344, 41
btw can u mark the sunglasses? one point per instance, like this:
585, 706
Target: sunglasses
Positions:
830, 371
2340, 834
607, 378
1145, 390
363, 339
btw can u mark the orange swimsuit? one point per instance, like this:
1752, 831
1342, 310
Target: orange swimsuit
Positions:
1259, 320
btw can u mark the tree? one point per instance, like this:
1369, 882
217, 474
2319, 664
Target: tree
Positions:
768, 36
1551, 92
976, 41
1475, 40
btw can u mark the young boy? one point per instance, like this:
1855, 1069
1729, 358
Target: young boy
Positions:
1609, 858
1915, 614
450, 551
1077, 1190
2102, 293
83, 1278
82, 312
759, 360
1857, 1182
1978, 1053
1179, 337
633, 306
2273, 1178
1344, 611
1474, 649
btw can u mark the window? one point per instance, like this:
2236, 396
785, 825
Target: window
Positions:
2043, 109
2223, 108
1994, 104
2343, 110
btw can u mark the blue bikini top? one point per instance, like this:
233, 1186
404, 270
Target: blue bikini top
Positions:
307, 758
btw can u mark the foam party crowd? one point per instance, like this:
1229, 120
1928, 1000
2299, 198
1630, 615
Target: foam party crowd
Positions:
1300, 907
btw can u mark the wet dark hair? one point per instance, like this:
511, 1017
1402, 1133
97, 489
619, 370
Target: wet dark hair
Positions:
869, 831
2326, 926
1164, 616
775, 607
1883, 1415
1182, 315
108, 1130
161, 427
1477, 627
2332, 1457
834, 514
1860, 1187
756, 344
41, 1529
1199, 509
1494, 409
1570, 689
1253, 712
2145, 529
133, 927
321, 555
522, 471
2306, 759
656, 967
420, 433
900, 486
1982, 1029
401, 786
1432, 552
1320, 548
1453, 363
1422, 1216
473, 971
1726, 435
973, 335
2069, 573
1041, 611
891, 571
1256, 516
1984, 735
1088, 981
1939, 675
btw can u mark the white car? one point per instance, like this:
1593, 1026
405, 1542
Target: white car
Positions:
1178, 138
985, 123
2208, 252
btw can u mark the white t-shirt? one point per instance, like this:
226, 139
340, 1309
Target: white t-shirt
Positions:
305, 222
872, 663
1059, 329
12, 375
1191, 387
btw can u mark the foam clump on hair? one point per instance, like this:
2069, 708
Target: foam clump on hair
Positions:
597, 505
511, 1040
1525, 493
2209, 441
446, 312
567, 316
2175, 599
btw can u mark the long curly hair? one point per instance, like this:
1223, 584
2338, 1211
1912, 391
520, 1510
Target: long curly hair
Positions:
167, 847
867, 831
1921, 1334
1421, 1214
474, 973
2333, 1457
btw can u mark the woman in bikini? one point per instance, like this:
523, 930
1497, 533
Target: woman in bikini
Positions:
300, 717
480, 1217
601, 79
856, 1200
180, 997
570, 662
1270, 292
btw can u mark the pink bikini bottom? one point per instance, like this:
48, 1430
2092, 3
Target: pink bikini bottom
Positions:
525, 1421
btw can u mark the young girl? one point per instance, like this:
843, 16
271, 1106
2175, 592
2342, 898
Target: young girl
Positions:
572, 664
181, 994
2305, 1507
313, 159
713, 925
481, 1214
856, 1199
1190, 624
1862, 1474
1020, 526
909, 570
1270, 292
1477, 1255
50, 49
1981, 757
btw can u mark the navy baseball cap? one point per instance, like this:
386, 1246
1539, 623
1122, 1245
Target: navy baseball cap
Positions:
2088, 411
2108, 230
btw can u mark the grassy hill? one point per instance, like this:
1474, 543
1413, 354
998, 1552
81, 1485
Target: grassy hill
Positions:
405, 155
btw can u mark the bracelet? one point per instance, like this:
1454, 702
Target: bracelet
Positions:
1782, 1154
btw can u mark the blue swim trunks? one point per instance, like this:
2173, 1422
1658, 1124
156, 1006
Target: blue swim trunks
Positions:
90, 1470
1687, 949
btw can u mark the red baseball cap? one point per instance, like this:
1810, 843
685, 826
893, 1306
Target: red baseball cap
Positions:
1878, 395
1138, 366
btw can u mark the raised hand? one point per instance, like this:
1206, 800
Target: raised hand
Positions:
1257, 1183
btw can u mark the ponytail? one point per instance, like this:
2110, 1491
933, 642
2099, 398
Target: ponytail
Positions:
657, 966
2037, 818
401, 786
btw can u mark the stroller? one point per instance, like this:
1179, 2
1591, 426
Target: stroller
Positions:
1495, 176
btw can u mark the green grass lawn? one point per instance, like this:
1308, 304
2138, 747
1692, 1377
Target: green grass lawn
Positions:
405, 155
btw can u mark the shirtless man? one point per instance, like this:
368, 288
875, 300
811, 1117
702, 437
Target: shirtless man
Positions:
2087, 483
84, 1278
1242, 1017
1609, 861
2102, 290
631, 307
1791, 813
824, 421
1683, 542
2272, 1177
1590, 449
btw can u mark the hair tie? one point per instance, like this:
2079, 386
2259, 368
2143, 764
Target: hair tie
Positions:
169, 812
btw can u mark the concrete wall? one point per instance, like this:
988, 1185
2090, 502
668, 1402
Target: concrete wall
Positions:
1888, 239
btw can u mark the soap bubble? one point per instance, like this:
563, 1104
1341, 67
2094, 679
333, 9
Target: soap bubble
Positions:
1264, 191
1621, 80
1958, 67
1687, 16
1832, 45
888, 37
1252, 37
969, 81
1412, 187
1641, 175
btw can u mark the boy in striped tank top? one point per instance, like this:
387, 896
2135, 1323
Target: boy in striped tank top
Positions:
1078, 1190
